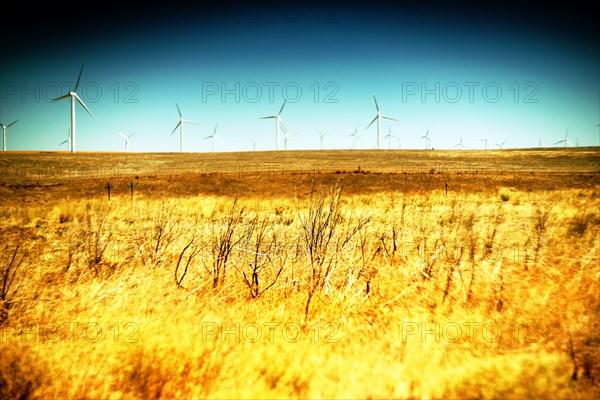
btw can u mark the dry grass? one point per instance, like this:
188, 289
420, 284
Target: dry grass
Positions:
317, 292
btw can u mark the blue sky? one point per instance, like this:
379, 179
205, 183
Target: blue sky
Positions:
515, 75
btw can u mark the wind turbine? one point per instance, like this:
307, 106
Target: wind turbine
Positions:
501, 144
278, 120
126, 137
378, 118
213, 137
4, 128
540, 142
484, 139
253, 145
565, 140
427, 140
286, 137
68, 140
180, 126
322, 136
355, 135
389, 137
73, 95
460, 145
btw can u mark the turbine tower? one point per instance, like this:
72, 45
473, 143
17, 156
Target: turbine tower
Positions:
73, 95
378, 118
322, 136
565, 140
180, 126
213, 137
126, 137
355, 136
4, 128
278, 121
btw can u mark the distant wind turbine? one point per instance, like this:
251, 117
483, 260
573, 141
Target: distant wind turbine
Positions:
286, 137
484, 139
500, 145
355, 136
565, 140
278, 121
460, 144
322, 136
427, 140
540, 142
4, 128
180, 126
378, 118
68, 140
126, 137
389, 137
213, 137
253, 145
73, 95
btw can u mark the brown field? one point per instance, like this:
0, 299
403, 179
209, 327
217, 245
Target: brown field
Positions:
301, 274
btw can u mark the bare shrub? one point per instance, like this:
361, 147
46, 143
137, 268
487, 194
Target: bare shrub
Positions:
12, 254
325, 232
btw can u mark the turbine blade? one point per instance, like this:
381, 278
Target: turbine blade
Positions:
178, 110
12, 123
376, 105
131, 135
283, 123
123, 135
84, 106
281, 109
218, 140
177, 126
62, 97
208, 137
374, 119
270, 116
78, 78
63, 142
215, 131
390, 118
189, 122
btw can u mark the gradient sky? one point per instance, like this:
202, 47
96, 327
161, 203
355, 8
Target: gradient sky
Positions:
514, 74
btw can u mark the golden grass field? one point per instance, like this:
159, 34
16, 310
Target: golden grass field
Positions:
301, 274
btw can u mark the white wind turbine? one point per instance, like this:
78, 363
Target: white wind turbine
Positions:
180, 126
355, 136
460, 144
322, 136
214, 137
389, 137
427, 140
565, 140
501, 145
286, 137
4, 128
67, 140
126, 137
484, 139
73, 95
278, 121
378, 118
